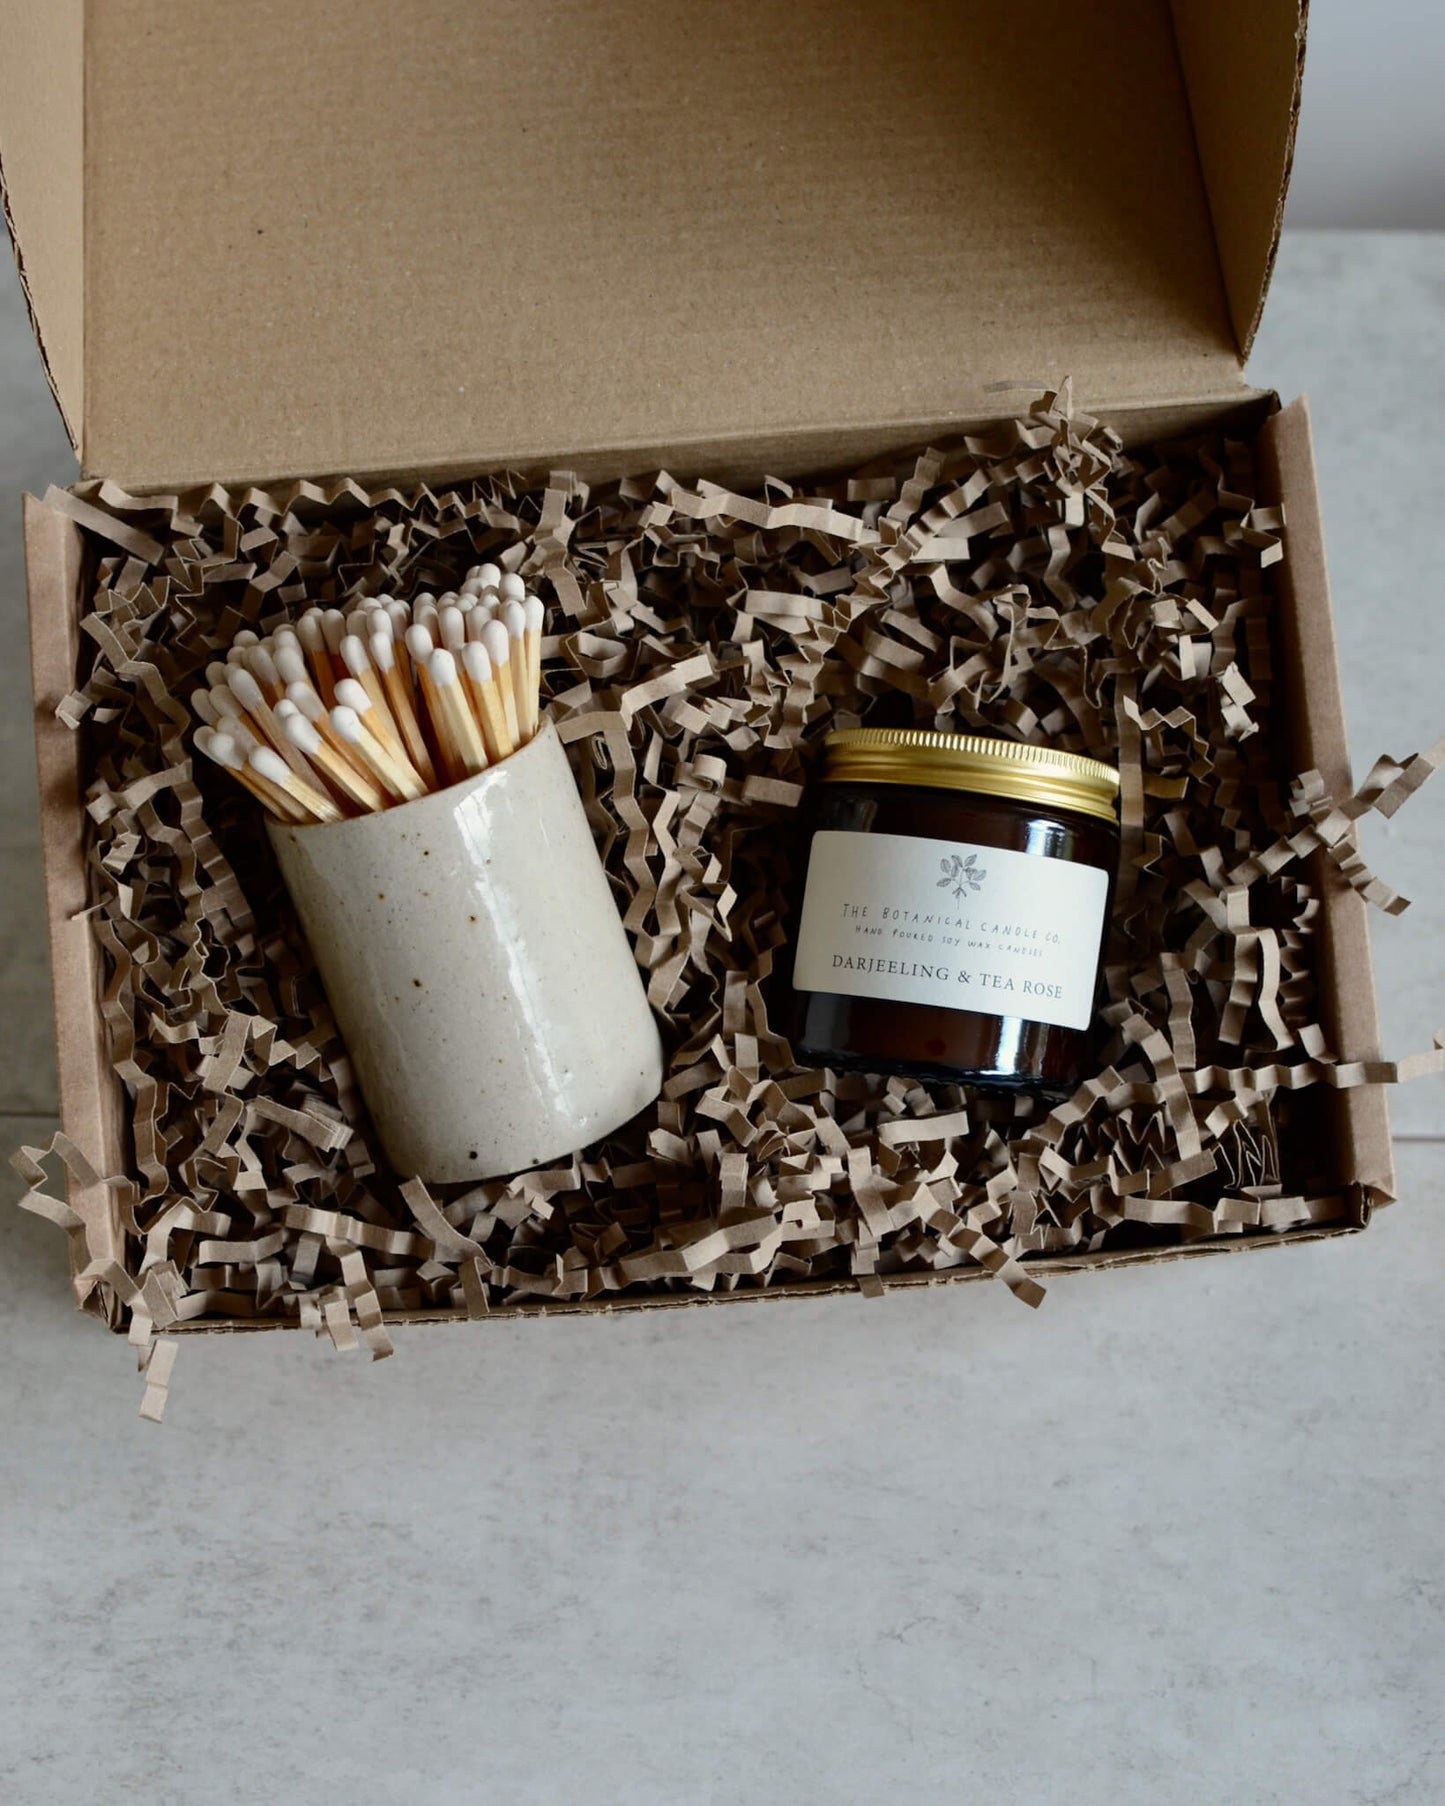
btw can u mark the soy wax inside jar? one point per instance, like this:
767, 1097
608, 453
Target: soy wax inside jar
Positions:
954, 912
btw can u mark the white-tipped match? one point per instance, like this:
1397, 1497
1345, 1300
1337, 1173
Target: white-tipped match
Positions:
400, 779
347, 723
224, 750
350, 695
285, 635
476, 662
495, 704
236, 655
236, 759
298, 790
270, 765
400, 617
240, 731
489, 575
353, 654
512, 588
267, 764
244, 639
536, 617
285, 710
291, 664
218, 672
246, 690
498, 643
308, 631
333, 630
306, 700
419, 644
203, 739
452, 627
263, 668
457, 732
514, 618
396, 687
204, 707
301, 733
224, 698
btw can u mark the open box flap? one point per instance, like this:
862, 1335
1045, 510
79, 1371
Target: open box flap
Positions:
456, 235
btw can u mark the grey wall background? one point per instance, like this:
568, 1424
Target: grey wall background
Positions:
1371, 149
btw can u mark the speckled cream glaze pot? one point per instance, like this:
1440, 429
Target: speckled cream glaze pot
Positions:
478, 970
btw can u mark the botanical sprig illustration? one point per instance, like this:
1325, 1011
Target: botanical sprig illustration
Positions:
961, 875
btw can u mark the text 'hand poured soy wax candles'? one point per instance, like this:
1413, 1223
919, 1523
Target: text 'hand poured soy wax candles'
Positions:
427, 825
957, 897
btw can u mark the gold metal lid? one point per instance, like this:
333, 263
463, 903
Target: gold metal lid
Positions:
1030, 774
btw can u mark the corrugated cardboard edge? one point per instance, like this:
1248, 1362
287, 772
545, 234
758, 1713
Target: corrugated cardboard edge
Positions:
791, 453
89, 1093
1239, 58
1106, 1260
42, 189
1307, 652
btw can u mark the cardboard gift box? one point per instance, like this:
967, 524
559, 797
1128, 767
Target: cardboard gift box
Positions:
747, 241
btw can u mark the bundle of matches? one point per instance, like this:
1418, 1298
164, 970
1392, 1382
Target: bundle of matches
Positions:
347, 713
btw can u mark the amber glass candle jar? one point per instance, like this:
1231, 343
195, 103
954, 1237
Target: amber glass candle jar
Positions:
953, 917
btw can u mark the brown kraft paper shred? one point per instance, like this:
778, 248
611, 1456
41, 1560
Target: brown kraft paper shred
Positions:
1036, 582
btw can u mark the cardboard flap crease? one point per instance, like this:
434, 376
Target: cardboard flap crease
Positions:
505, 234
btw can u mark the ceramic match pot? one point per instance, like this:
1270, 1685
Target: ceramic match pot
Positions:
478, 970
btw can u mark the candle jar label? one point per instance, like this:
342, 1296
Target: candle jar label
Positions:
944, 922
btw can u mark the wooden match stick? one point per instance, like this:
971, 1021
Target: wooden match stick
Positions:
486, 694
358, 663
262, 667
378, 723
536, 619
270, 765
333, 631
291, 666
420, 645
400, 617
399, 780
313, 643
466, 748
514, 618
451, 627
361, 791
314, 710
224, 751
247, 691
398, 696
499, 649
